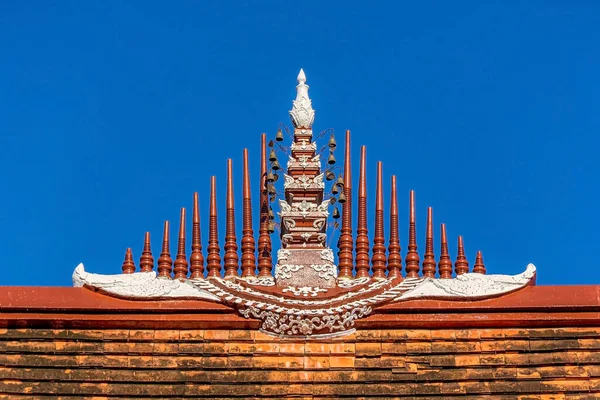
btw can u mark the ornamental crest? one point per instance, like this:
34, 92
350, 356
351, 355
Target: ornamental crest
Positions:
305, 289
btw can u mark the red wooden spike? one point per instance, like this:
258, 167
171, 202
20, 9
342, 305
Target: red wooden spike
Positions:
213, 260
128, 266
479, 267
412, 257
394, 259
196, 259
429, 257
362, 239
378, 259
231, 256
265, 261
461, 265
181, 264
146, 259
345, 242
165, 263
445, 264
248, 245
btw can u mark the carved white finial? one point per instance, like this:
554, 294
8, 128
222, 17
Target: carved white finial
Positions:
302, 113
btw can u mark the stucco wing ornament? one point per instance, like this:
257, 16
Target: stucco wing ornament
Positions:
312, 317
139, 285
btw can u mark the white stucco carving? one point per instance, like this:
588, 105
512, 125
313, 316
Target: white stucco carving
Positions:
302, 113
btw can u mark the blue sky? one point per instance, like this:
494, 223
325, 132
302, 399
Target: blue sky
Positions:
113, 113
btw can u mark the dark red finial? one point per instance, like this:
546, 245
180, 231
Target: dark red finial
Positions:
394, 259
362, 239
213, 260
461, 265
265, 261
479, 267
429, 257
248, 245
181, 264
128, 266
165, 263
378, 259
345, 242
196, 259
412, 257
231, 256
146, 259
445, 264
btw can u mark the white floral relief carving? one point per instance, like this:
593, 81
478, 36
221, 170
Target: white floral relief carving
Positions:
284, 271
304, 291
325, 271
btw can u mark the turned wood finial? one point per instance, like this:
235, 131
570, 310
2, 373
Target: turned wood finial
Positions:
181, 264
479, 267
362, 239
444, 264
213, 260
412, 257
128, 266
196, 259
461, 265
248, 245
378, 258
429, 257
345, 241
265, 261
394, 266
146, 259
231, 257
165, 263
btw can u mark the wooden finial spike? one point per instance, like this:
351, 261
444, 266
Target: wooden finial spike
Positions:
394, 266
412, 257
429, 257
128, 266
445, 264
345, 241
231, 257
165, 263
265, 261
378, 259
461, 265
213, 260
146, 259
181, 264
362, 240
196, 259
248, 245
479, 267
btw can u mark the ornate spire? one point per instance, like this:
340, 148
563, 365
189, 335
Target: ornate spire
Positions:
213, 264
362, 240
445, 264
231, 256
345, 242
429, 258
412, 257
479, 267
248, 245
128, 266
461, 265
378, 259
146, 259
302, 113
181, 264
394, 259
265, 262
196, 259
165, 262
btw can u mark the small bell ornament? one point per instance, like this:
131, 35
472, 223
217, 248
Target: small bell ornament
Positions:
279, 136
